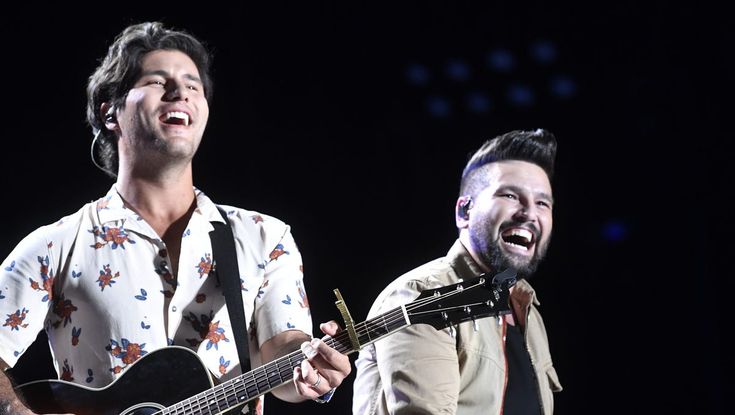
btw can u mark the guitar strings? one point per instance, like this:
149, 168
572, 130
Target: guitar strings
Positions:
212, 397
390, 317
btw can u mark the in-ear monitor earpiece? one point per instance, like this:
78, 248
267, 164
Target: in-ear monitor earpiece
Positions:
464, 207
110, 115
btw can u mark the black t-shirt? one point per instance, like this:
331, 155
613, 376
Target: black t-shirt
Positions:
521, 393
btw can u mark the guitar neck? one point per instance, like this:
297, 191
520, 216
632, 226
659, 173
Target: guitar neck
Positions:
256, 382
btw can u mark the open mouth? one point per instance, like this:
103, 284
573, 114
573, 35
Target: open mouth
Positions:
519, 238
176, 118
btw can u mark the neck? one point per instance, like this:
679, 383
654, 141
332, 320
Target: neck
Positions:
160, 199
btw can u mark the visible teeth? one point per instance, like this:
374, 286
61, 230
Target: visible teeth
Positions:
177, 114
518, 237
518, 245
521, 233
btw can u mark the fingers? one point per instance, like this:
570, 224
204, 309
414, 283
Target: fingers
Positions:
331, 328
324, 367
330, 361
309, 382
330, 355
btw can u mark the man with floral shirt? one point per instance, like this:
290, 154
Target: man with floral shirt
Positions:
130, 273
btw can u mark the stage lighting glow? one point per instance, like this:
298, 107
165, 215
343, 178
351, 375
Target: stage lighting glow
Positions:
478, 102
517, 77
417, 74
458, 70
563, 87
501, 60
438, 106
544, 51
615, 231
521, 95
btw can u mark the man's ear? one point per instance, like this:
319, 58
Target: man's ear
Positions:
462, 211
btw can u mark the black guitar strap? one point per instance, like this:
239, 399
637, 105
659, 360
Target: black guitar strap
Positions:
225, 257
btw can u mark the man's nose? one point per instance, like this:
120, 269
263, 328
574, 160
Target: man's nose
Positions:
177, 92
526, 212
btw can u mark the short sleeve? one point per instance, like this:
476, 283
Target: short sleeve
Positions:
26, 294
281, 303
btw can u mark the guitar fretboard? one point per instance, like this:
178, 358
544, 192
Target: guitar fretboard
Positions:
250, 385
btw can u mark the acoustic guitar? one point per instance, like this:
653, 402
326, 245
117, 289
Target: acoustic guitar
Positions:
173, 380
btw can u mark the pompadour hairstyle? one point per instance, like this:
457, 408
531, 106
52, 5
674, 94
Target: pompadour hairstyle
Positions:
537, 147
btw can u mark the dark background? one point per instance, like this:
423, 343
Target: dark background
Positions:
353, 123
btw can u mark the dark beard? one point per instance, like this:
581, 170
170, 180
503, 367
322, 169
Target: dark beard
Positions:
498, 260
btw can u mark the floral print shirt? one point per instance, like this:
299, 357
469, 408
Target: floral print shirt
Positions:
99, 282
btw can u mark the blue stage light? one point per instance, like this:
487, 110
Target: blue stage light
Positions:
501, 60
458, 70
478, 102
615, 231
417, 74
544, 51
521, 95
438, 106
563, 87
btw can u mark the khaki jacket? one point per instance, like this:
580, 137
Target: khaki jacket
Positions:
421, 370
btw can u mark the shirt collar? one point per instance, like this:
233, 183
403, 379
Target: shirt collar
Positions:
206, 208
110, 208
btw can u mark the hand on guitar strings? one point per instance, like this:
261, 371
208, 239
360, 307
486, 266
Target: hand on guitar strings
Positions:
325, 368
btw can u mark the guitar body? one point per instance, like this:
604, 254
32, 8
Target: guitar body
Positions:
157, 380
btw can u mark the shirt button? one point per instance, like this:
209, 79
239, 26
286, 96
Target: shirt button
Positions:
173, 309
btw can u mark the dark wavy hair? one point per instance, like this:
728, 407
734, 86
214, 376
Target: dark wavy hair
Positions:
121, 68
537, 147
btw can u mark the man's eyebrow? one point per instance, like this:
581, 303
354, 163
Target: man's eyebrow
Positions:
544, 195
165, 74
193, 78
516, 189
